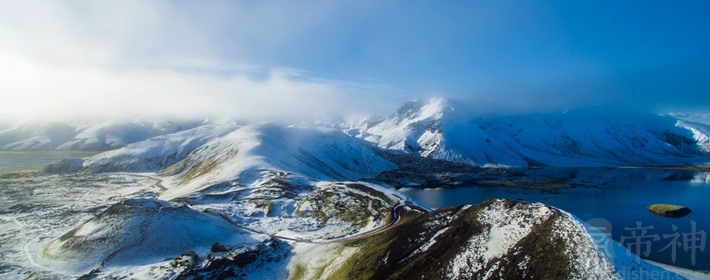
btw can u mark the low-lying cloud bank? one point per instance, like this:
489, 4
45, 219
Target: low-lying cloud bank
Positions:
45, 91
98, 60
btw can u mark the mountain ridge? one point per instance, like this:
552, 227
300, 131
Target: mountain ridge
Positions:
443, 129
436, 128
312, 193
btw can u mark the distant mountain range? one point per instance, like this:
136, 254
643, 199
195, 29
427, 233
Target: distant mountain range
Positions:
436, 128
84, 136
300, 199
442, 129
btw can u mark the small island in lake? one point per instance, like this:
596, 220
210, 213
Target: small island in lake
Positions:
669, 210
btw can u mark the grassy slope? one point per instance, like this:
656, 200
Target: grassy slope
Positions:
392, 254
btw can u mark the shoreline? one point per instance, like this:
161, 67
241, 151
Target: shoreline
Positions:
685, 272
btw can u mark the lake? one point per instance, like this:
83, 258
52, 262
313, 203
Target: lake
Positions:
19, 160
619, 197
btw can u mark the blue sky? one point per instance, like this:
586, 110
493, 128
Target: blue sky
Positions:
199, 57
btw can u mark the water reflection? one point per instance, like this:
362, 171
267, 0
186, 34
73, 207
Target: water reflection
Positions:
701, 178
619, 196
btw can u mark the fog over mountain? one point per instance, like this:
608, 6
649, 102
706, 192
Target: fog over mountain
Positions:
354, 139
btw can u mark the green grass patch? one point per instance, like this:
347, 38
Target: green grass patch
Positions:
669, 210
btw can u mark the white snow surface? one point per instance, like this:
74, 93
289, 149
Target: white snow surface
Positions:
507, 226
60, 203
84, 136
699, 125
443, 129
141, 232
504, 232
315, 153
35, 136
265, 208
157, 153
237, 159
412, 126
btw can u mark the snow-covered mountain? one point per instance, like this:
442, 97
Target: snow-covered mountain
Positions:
36, 136
437, 128
699, 125
496, 239
306, 202
442, 129
141, 231
156, 153
84, 136
243, 155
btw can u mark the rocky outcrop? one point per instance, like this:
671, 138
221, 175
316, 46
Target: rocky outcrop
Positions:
669, 210
497, 239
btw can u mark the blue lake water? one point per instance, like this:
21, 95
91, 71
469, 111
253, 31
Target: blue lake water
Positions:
619, 196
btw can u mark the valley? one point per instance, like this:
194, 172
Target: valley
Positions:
378, 199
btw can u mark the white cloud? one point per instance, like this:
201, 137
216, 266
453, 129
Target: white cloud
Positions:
34, 89
130, 59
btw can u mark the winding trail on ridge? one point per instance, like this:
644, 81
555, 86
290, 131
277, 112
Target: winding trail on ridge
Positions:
394, 212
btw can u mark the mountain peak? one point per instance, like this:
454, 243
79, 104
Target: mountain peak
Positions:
432, 108
589, 137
